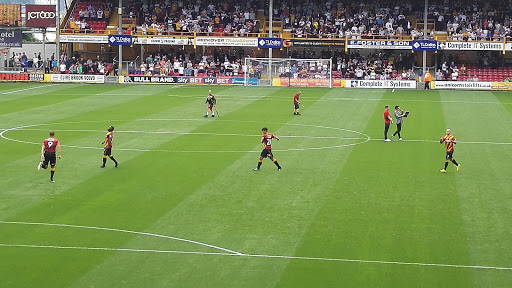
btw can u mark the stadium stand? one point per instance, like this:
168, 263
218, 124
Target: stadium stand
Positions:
90, 16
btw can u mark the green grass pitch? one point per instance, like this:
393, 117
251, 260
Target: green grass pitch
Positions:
185, 209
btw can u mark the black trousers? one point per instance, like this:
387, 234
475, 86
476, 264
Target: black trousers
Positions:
386, 129
398, 130
427, 85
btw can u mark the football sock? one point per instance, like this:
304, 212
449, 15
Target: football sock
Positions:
259, 164
104, 160
51, 173
277, 164
445, 165
112, 158
455, 162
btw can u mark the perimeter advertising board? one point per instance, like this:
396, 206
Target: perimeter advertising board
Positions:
21, 77
77, 78
462, 85
475, 46
385, 84
227, 41
189, 80
379, 44
305, 82
100, 39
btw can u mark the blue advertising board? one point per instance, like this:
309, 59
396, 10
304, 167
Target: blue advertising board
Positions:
424, 45
266, 43
120, 39
10, 38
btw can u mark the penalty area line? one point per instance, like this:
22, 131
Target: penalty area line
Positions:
259, 256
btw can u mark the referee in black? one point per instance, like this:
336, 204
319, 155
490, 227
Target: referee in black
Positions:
399, 114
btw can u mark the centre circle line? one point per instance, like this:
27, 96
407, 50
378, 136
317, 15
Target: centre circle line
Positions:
29, 127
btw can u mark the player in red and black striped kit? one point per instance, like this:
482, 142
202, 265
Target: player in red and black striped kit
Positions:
267, 151
107, 151
48, 154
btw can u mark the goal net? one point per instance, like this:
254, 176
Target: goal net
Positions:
288, 72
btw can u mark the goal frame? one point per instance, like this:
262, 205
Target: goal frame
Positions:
271, 73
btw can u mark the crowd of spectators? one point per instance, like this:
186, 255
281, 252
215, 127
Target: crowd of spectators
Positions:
89, 17
355, 19
375, 66
236, 18
462, 20
224, 62
472, 20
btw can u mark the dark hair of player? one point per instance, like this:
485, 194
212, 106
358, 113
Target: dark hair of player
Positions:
396, 107
264, 129
111, 128
52, 134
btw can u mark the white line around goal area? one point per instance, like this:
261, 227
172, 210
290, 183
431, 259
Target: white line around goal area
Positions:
259, 256
31, 88
123, 231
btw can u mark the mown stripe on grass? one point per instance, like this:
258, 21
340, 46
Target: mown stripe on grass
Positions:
382, 207
77, 163
123, 201
46, 98
259, 212
197, 215
483, 184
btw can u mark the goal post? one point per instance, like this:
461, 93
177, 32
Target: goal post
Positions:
289, 72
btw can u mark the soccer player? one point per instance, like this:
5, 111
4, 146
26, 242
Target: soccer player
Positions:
296, 103
267, 151
399, 114
449, 141
211, 101
48, 154
107, 151
387, 120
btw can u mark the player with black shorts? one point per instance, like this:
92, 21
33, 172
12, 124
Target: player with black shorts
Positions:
48, 154
267, 151
107, 151
449, 141
210, 101
296, 103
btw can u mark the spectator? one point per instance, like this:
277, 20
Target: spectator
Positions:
62, 68
35, 61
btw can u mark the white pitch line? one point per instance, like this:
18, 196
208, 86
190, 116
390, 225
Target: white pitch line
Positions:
2, 135
196, 133
121, 230
31, 88
279, 98
461, 142
260, 256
